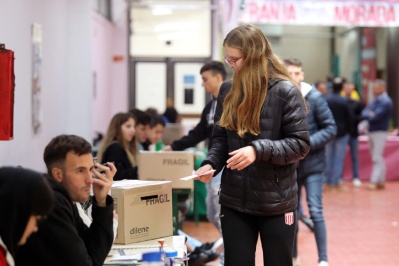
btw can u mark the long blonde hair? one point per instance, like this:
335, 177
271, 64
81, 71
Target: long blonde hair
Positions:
114, 134
244, 102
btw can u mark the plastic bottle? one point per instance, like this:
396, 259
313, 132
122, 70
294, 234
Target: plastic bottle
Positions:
152, 259
171, 259
159, 145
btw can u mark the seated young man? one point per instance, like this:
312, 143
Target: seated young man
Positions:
154, 134
64, 239
142, 126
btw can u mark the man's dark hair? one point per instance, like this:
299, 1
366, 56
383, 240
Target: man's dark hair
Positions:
56, 151
215, 67
171, 115
141, 117
157, 120
293, 62
338, 84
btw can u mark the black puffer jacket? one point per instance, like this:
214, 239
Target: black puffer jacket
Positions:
322, 129
268, 186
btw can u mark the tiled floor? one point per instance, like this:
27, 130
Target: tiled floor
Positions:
362, 228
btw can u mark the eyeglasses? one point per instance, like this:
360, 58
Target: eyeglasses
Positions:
230, 61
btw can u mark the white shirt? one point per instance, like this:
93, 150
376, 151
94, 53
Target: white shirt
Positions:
305, 88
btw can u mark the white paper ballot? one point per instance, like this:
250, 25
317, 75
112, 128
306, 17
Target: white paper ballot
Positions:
194, 176
127, 257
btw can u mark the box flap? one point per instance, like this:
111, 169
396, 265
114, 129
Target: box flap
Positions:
128, 184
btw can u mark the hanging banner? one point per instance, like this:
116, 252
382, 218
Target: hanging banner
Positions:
322, 13
368, 62
229, 12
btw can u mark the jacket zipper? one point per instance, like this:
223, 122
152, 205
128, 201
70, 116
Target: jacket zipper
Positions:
280, 192
244, 197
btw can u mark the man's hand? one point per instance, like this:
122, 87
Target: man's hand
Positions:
116, 216
103, 182
167, 148
201, 170
241, 158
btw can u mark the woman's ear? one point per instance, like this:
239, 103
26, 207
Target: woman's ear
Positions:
57, 174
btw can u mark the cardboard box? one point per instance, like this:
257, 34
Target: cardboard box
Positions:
144, 209
171, 166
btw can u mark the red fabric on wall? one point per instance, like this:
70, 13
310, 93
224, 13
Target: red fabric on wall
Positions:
6, 94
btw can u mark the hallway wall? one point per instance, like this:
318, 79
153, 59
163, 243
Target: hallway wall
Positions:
109, 61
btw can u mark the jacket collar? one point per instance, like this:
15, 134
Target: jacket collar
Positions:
9, 258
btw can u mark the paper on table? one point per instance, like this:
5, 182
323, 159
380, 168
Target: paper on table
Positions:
127, 257
194, 176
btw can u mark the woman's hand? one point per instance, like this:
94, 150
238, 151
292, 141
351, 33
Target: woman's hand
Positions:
204, 178
241, 158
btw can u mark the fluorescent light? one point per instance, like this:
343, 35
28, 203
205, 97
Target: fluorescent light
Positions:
176, 26
161, 11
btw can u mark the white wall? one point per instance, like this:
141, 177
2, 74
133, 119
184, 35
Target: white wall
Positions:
311, 44
101, 31
109, 59
65, 73
119, 99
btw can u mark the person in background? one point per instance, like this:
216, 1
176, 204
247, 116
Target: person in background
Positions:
63, 238
154, 134
213, 74
199, 253
171, 116
336, 148
354, 95
152, 112
119, 146
356, 107
378, 113
322, 129
143, 121
260, 134
294, 67
321, 86
26, 198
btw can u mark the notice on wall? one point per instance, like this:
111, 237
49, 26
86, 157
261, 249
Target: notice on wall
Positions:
322, 13
189, 83
189, 93
37, 39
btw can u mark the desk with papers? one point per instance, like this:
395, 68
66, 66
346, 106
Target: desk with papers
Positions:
131, 254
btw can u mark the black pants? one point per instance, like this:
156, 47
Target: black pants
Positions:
240, 236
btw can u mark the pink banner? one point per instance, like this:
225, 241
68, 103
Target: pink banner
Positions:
327, 13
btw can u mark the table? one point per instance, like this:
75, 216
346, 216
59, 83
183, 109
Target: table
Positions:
179, 195
171, 243
391, 155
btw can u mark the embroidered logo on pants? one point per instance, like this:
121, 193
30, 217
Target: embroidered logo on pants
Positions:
289, 218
